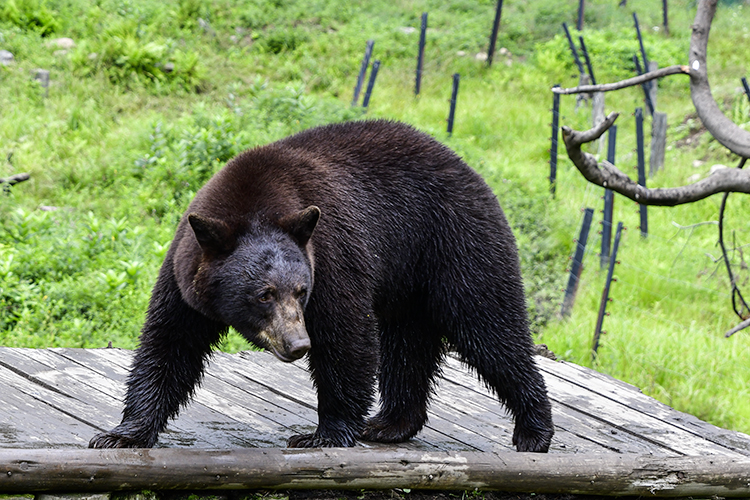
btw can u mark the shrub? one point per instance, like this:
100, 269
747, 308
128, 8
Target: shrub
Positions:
31, 15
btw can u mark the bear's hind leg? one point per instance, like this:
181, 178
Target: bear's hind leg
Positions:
410, 357
509, 370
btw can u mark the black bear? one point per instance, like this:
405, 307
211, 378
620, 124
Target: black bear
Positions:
368, 246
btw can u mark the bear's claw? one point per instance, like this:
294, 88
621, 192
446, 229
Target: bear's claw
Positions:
113, 440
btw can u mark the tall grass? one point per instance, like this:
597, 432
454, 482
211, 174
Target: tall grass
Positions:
157, 95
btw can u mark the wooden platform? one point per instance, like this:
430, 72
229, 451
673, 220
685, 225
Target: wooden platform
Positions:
59, 398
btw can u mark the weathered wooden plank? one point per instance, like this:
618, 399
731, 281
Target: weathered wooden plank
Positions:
356, 468
102, 396
27, 420
292, 381
633, 398
252, 400
573, 430
622, 417
230, 387
205, 420
29, 378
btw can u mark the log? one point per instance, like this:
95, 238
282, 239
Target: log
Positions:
95, 470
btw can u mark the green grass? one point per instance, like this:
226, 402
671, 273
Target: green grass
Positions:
121, 144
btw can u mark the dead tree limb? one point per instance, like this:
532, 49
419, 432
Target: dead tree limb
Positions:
606, 175
15, 179
737, 328
722, 128
630, 82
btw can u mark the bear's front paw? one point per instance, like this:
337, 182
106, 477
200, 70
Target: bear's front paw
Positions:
114, 440
535, 440
315, 441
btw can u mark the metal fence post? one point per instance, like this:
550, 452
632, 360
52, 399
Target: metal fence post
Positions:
577, 267
605, 294
495, 28
371, 83
363, 71
420, 55
454, 97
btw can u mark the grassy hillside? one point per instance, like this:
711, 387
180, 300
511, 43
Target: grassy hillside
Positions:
156, 96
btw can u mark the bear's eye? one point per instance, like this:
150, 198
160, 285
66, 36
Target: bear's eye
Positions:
266, 296
302, 293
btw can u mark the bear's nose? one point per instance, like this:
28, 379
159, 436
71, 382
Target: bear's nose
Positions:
299, 347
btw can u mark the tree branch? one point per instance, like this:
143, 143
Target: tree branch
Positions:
722, 128
636, 80
606, 175
737, 328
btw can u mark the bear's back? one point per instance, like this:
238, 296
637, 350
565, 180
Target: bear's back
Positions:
390, 197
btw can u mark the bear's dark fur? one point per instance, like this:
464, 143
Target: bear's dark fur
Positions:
411, 255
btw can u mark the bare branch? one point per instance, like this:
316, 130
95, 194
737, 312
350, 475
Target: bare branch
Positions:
15, 179
737, 328
722, 128
606, 175
636, 80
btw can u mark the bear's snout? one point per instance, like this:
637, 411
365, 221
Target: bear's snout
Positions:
299, 348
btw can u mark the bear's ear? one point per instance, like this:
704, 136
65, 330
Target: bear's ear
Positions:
301, 225
212, 234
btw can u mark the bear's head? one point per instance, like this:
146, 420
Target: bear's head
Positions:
259, 281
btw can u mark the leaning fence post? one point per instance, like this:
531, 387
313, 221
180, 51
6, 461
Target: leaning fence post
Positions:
454, 97
553, 146
646, 93
640, 41
643, 209
605, 294
371, 83
646, 66
587, 59
495, 28
573, 50
577, 267
420, 54
609, 200
363, 71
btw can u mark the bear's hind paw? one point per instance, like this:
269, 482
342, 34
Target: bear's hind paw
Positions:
114, 439
315, 441
379, 430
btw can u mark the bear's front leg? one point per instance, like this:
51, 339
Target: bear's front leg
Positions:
174, 345
343, 363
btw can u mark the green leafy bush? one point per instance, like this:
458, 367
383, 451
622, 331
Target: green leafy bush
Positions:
31, 15
129, 57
